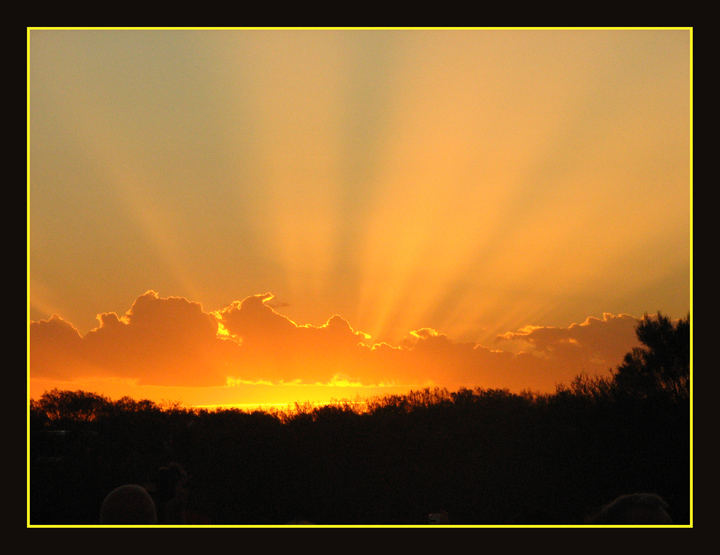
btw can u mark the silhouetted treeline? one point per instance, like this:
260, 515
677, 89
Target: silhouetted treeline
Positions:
483, 456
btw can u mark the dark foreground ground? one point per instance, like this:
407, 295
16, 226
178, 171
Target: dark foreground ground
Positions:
471, 457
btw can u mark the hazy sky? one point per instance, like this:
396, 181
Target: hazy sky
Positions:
470, 182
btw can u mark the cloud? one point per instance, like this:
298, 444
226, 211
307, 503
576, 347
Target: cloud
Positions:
172, 341
596, 341
55, 347
168, 341
272, 344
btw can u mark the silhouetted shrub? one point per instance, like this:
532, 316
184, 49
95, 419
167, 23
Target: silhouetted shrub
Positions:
663, 363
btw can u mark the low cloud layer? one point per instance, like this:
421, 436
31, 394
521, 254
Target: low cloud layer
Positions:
171, 341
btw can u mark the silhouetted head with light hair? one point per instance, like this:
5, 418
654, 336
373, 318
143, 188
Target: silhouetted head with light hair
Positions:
128, 504
634, 508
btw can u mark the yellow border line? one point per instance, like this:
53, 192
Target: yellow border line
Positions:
27, 291
692, 326
421, 526
27, 389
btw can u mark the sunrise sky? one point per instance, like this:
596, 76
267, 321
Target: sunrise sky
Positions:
244, 216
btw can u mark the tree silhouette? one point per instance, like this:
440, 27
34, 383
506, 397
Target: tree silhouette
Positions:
485, 456
663, 363
64, 406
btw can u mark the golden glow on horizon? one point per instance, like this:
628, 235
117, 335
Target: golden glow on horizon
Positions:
287, 408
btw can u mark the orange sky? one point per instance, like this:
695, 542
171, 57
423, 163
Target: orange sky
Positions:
478, 207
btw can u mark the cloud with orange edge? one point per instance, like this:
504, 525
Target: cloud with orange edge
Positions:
174, 341
594, 341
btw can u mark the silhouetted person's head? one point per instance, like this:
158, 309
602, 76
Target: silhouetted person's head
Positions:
170, 479
634, 508
128, 504
171, 494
